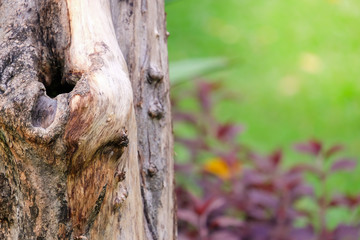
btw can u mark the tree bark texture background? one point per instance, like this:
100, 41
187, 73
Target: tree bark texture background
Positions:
85, 124
140, 28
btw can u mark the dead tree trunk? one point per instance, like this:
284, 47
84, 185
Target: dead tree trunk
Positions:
85, 126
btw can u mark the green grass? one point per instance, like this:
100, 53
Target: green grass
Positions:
295, 65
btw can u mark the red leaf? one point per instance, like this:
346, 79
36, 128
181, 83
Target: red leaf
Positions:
228, 132
338, 200
224, 222
306, 168
209, 205
204, 90
216, 204
291, 180
347, 232
188, 216
224, 235
263, 198
343, 165
254, 179
348, 201
302, 190
306, 233
313, 147
258, 213
262, 163
185, 117
276, 157
334, 149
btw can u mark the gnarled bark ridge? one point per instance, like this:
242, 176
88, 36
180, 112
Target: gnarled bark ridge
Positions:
69, 147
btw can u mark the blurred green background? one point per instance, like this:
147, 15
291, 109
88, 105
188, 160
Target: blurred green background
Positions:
294, 68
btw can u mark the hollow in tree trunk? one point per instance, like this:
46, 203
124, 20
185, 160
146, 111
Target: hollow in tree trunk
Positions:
85, 124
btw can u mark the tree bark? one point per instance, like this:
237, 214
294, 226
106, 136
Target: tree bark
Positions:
85, 124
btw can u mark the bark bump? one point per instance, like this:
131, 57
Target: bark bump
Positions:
44, 112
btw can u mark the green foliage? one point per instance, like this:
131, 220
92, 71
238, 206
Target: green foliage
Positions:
294, 73
295, 64
190, 68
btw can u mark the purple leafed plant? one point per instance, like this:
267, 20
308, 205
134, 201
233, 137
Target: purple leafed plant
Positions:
247, 196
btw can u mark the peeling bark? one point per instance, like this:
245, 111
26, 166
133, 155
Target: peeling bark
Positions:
85, 144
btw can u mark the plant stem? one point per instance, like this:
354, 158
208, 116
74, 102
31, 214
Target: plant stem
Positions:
322, 200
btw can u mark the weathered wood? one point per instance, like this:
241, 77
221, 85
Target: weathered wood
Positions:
141, 31
70, 145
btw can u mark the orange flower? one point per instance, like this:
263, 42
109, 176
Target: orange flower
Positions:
220, 168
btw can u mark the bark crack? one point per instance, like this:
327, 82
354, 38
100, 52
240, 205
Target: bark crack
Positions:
95, 212
147, 211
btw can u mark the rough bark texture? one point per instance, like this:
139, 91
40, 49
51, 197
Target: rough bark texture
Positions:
141, 32
76, 160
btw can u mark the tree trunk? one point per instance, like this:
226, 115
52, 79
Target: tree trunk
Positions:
85, 125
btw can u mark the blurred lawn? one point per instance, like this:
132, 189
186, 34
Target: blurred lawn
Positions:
295, 67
